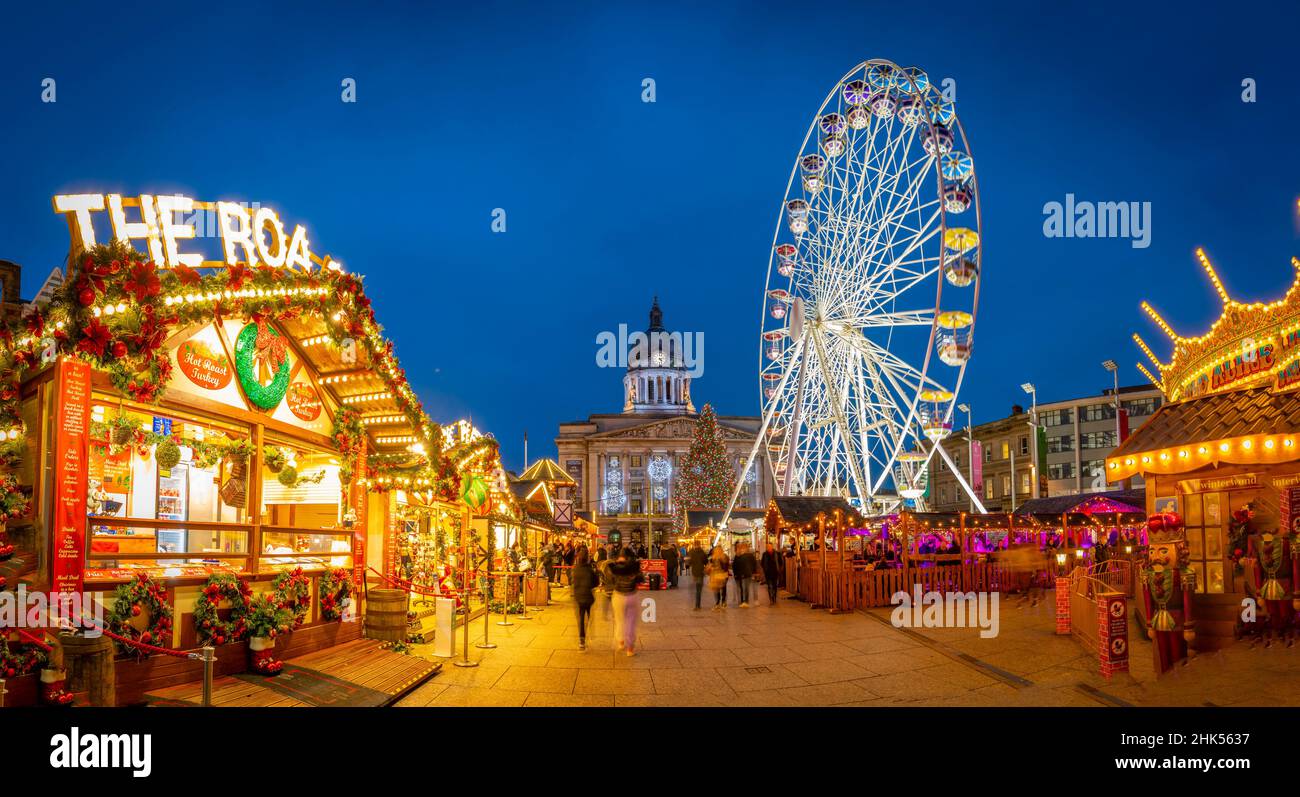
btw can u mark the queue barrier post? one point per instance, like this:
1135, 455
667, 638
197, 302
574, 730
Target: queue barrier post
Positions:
209, 659
487, 616
505, 607
465, 662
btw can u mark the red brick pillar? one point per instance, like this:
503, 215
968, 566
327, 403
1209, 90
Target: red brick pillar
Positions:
1112, 632
1062, 605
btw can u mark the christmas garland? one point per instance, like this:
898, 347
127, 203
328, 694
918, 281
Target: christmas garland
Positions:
14, 501
209, 626
292, 589
132, 599
268, 617
335, 593
20, 660
349, 436
1239, 526
116, 310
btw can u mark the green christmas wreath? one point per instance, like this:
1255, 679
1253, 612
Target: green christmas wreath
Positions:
139, 595
209, 626
268, 397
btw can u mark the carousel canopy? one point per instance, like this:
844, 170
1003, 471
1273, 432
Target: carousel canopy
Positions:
1121, 501
546, 470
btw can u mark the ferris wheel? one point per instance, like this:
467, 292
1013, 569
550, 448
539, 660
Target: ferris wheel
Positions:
871, 292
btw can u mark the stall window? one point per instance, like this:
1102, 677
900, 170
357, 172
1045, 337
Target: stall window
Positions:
301, 508
177, 482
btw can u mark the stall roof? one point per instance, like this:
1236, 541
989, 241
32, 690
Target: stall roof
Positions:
795, 509
1125, 501
1237, 413
547, 470
712, 517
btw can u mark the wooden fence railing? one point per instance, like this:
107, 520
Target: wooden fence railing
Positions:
847, 589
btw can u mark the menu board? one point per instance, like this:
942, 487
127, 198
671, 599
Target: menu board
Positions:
71, 452
1289, 497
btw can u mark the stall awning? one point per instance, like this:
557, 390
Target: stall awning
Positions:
1123, 501
546, 470
1255, 426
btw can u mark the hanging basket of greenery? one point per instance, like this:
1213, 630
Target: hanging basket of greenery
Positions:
168, 454
274, 459
121, 429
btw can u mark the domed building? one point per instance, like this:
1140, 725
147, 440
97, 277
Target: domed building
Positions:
657, 379
624, 464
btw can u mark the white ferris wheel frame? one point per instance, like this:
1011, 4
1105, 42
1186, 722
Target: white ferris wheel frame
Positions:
876, 391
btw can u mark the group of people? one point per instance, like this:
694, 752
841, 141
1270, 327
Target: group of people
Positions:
612, 580
719, 569
612, 575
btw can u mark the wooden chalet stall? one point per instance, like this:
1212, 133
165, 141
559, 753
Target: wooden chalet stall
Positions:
1221, 463
186, 424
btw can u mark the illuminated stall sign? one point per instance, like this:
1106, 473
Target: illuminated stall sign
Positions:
1274, 360
254, 236
201, 365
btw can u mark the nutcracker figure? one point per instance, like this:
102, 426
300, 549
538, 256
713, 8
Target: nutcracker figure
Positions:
1275, 565
1167, 588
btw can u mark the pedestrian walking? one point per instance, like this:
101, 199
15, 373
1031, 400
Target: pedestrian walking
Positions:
626, 571
584, 581
670, 562
548, 562
744, 568
771, 565
698, 562
719, 571
606, 592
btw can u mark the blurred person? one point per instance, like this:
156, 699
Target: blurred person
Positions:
719, 572
583, 580
771, 566
743, 568
626, 572
697, 562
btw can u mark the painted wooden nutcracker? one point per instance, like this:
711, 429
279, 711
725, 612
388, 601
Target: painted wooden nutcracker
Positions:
1275, 563
1167, 588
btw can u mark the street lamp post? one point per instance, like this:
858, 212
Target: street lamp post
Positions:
1110, 365
970, 453
1033, 423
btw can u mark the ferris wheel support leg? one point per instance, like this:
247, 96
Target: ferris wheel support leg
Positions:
956, 471
758, 441
843, 423
792, 443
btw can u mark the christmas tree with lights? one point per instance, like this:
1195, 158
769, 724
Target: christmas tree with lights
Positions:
705, 478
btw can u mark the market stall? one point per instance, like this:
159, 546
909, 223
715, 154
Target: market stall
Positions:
194, 434
1221, 463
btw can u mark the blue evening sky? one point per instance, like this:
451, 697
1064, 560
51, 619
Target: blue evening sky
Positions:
537, 110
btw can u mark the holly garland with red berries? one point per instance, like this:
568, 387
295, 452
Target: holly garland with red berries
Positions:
211, 629
140, 596
16, 659
116, 310
335, 592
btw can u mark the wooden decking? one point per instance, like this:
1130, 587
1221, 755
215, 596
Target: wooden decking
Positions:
357, 673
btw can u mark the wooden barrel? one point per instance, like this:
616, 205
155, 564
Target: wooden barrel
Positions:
386, 615
89, 664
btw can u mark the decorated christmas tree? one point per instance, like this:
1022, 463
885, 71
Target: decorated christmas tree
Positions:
705, 477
